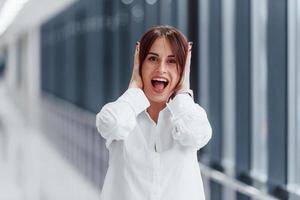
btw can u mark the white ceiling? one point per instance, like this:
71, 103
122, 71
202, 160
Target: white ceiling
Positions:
32, 15
1, 3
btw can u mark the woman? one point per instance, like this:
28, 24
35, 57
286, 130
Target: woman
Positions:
153, 131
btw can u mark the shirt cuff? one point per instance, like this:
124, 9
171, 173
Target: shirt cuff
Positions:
136, 98
180, 103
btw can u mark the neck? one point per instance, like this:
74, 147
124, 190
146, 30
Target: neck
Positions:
154, 110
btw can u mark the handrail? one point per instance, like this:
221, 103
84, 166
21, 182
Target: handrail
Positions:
234, 184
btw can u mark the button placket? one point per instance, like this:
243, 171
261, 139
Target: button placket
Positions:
156, 166
156, 191
156, 176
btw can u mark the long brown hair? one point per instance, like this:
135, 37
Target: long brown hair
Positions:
178, 42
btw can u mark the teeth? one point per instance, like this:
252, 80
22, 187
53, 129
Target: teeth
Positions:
160, 79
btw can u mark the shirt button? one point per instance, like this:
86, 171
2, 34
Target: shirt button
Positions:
177, 133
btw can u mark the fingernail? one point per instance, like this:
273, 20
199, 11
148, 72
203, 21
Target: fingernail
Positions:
191, 44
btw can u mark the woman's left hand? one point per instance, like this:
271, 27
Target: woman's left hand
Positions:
184, 84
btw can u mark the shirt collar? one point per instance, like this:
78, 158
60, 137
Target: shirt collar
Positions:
164, 113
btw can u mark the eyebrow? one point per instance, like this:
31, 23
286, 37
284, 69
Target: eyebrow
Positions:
158, 55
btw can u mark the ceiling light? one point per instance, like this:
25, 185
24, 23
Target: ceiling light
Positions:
9, 11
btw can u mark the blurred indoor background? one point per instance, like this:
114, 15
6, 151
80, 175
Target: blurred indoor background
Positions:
62, 60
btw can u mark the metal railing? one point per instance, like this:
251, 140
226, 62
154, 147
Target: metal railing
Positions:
234, 184
72, 130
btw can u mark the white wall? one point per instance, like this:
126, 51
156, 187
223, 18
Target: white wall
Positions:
32, 169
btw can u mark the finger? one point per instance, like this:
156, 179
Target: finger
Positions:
186, 75
136, 55
137, 48
186, 71
190, 46
188, 58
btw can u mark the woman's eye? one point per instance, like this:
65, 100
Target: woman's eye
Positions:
152, 58
172, 61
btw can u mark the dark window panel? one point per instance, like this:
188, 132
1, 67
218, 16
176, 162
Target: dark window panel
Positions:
215, 92
94, 62
151, 14
125, 54
70, 56
277, 97
80, 57
243, 93
215, 80
193, 36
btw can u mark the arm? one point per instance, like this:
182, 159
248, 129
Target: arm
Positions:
117, 119
191, 126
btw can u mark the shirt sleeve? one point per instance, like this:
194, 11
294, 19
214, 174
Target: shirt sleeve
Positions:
191, 126
117, 119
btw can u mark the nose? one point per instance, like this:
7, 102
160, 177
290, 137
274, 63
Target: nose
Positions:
162, 68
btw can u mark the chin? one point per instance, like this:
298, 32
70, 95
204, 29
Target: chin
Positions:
159, 99
156, 98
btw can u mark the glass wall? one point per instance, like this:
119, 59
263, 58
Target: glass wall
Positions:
259, 91
239, 68
294, 97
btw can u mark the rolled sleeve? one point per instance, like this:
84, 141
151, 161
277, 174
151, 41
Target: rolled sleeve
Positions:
117, 119
191, 126
136, 98
180, 104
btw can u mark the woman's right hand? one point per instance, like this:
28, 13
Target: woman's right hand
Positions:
136, 79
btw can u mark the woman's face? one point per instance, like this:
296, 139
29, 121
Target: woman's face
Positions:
160, 73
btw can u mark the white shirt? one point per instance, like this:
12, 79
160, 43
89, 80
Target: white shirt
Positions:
149, 161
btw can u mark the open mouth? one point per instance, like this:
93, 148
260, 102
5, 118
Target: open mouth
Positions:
159, 84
